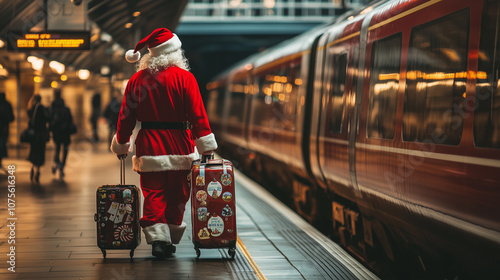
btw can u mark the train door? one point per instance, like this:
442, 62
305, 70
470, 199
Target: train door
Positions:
334, 144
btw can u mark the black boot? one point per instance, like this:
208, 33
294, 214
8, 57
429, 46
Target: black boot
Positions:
159, 249
169, 250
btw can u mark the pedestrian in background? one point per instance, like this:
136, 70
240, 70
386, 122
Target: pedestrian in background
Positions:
39, 118
62, 126
164, 96
96, 113
111, 113
6, 117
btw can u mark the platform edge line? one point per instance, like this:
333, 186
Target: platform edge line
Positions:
250, 260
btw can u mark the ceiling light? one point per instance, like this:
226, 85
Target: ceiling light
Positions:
36, 63
2, 44
105, 37
37, 79
54, 84
64, 78
136, 14
269, 4
128, 25
3, 71
83, 74
57, 66
105, 70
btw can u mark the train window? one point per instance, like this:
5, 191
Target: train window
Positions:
276, 101
436, 80
237, 102
487, 114
337, 90
215, 104
384, 85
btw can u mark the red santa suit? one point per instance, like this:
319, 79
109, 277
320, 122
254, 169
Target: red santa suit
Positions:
163, 156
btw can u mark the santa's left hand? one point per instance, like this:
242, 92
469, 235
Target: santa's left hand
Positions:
122, 156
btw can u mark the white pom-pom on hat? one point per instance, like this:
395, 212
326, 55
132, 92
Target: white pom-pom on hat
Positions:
132, 56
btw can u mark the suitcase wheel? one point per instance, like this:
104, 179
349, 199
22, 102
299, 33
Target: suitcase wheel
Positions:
232, 252
198, 252
103, 253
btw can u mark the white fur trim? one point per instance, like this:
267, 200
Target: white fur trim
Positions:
206, 143
157, 232
132, 56
169, 46
164, 162
121, 149
176, 232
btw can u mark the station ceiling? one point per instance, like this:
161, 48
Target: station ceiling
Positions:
109, 16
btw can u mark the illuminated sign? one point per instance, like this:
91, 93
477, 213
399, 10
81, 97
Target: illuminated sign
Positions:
51, 41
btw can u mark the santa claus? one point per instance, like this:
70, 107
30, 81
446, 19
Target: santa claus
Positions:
164, 96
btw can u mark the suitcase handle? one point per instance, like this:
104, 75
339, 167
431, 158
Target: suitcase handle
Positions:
205, 158
122, 171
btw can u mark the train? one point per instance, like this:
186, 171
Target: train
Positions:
382, 128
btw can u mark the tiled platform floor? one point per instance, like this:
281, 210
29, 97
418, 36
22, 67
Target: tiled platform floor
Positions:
55, 232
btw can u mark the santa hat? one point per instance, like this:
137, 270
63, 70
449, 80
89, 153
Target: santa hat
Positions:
160, 41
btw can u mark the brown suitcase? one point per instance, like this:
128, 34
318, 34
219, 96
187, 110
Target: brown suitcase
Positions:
213, 206
117, 216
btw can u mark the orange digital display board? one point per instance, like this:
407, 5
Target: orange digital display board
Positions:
49, 41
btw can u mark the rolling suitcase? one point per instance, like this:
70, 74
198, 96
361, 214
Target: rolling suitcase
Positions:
117, 216
213, 206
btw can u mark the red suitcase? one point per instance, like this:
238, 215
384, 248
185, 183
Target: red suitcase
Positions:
117, 216
213, 206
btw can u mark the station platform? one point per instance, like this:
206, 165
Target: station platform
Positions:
55, 232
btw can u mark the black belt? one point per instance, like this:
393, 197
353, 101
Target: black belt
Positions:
166, 125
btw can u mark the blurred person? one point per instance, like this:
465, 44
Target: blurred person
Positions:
62, 126
111, 113
96, 113
6, 117
164, 96
39, 118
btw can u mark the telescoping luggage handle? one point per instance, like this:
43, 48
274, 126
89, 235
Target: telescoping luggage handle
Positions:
205, 158
122, 171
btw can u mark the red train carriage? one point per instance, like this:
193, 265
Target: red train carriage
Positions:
390, 118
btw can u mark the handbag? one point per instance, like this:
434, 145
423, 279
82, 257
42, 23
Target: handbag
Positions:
28, 135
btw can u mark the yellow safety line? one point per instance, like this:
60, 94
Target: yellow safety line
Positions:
250, 260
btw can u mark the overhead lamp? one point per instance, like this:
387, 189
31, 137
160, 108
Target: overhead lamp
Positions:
83, 74
2, 44
37, 79
128, 25
64, 78
3, 71
105, 37
57, 66
105, 70
36, 63
269, 4
136, 14
54, 84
